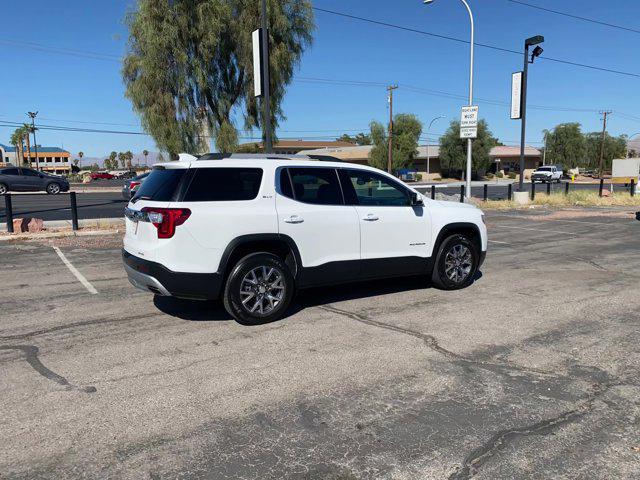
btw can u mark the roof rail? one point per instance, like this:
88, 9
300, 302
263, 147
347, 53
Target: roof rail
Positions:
268, 156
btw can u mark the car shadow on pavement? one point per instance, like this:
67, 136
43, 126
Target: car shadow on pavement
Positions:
207, 311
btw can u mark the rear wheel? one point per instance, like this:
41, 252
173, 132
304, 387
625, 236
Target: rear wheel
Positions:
259, 289
456, 263
3, 189
53, 189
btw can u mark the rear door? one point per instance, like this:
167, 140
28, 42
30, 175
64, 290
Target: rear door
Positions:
394, 236
312, 211
11, 177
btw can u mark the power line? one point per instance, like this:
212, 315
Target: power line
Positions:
478, 44
62, 50
577, 17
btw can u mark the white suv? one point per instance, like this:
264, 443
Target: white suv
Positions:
256, 228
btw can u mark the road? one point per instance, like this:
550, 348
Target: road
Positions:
531, 372
57, 207
111, 204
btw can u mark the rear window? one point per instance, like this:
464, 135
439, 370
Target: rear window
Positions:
223, 184
9, 171
544, 169
161, 185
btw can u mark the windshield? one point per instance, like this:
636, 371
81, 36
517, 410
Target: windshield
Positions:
544, 169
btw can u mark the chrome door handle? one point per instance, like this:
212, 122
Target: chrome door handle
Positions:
371, 218
294, 219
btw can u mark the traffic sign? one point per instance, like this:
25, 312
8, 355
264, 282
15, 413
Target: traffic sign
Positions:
469, 122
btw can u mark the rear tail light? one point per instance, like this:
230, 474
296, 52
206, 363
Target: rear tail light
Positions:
133, 185
166, 219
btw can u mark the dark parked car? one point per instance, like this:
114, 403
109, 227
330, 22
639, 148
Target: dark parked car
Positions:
28, 180
131, 186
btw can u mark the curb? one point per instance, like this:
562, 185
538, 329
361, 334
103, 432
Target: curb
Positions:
90, 223
46, 235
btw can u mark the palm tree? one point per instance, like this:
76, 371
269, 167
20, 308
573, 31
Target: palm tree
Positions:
123, 159
26, 129
17, 139
145, 153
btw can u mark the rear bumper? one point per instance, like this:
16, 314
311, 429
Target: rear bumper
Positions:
156, 278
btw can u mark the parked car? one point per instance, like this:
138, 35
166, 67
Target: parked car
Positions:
14, 179
547, 174
101, 176
131, 187
254, 229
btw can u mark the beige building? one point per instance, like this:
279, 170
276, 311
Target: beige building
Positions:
50, 159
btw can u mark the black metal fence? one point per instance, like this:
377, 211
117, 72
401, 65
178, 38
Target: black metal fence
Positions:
73, 204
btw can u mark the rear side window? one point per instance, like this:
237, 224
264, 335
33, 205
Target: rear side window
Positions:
9, 171
319, 186
161, 185
223, 184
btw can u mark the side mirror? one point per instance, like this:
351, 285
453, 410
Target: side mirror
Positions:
416, 200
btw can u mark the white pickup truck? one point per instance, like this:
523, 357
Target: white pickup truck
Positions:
547, 174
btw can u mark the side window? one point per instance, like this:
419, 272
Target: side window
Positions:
223, 184
29, 173
285, 183
319, 186
374, 189
10, 171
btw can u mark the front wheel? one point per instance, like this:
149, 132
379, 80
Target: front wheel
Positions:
456, 263
53, 189
3, 189
259, 289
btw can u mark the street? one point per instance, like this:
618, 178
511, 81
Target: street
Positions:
531, 372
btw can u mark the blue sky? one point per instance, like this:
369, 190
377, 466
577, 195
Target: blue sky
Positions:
69, 89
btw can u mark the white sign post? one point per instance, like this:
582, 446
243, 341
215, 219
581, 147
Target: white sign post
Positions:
469, 122
516, 96
256, 37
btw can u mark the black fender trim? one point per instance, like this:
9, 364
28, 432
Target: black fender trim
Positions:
452, 227
259, 237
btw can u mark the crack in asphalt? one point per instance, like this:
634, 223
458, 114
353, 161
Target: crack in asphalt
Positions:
31, 356
24, 336
432, 343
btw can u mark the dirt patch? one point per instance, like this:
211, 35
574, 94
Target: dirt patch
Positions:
105, 241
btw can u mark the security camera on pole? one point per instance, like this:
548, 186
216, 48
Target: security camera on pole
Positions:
519, 96
470, 130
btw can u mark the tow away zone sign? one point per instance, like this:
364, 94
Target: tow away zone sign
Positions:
469, 122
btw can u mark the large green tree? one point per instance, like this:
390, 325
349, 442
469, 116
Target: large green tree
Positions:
190, 63
566, 146
453, 149
406, 133
359, 139
614, 147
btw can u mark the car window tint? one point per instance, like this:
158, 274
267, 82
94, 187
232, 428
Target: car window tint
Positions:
223, 184
161, 185
285, 184
29, 173
374, 189
9, 171
316, 185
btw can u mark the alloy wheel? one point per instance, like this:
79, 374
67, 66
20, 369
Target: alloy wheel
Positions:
458, 263
53, 188
262, 290
3, 189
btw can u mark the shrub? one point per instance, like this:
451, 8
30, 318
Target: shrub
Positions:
512, 175
500, 175
418, 177
489, 175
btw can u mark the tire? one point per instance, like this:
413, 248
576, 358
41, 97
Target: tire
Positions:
53, 188
451, 247
3, 189
247, 296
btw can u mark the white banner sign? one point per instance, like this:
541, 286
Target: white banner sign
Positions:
469, 122
257, 62
516, 96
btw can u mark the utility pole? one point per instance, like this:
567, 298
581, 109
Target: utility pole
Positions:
266, 100
390, 89
33, 116
604, 133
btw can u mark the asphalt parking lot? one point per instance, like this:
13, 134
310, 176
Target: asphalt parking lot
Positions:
531, 372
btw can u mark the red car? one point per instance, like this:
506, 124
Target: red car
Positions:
101, 176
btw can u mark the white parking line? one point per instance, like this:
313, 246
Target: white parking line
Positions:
534, 229
76, 273
502, 243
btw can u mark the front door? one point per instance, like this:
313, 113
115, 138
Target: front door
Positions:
31, 180
311, 210
394, 236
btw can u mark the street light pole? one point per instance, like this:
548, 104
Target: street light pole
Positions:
33, 116
523, 127
469, 140
429, 128
266, 99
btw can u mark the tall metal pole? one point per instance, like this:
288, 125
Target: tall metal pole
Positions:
428, 129
390, 88
523, 126
604, 134
35, 143
469, 141
266, 100
544, 154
